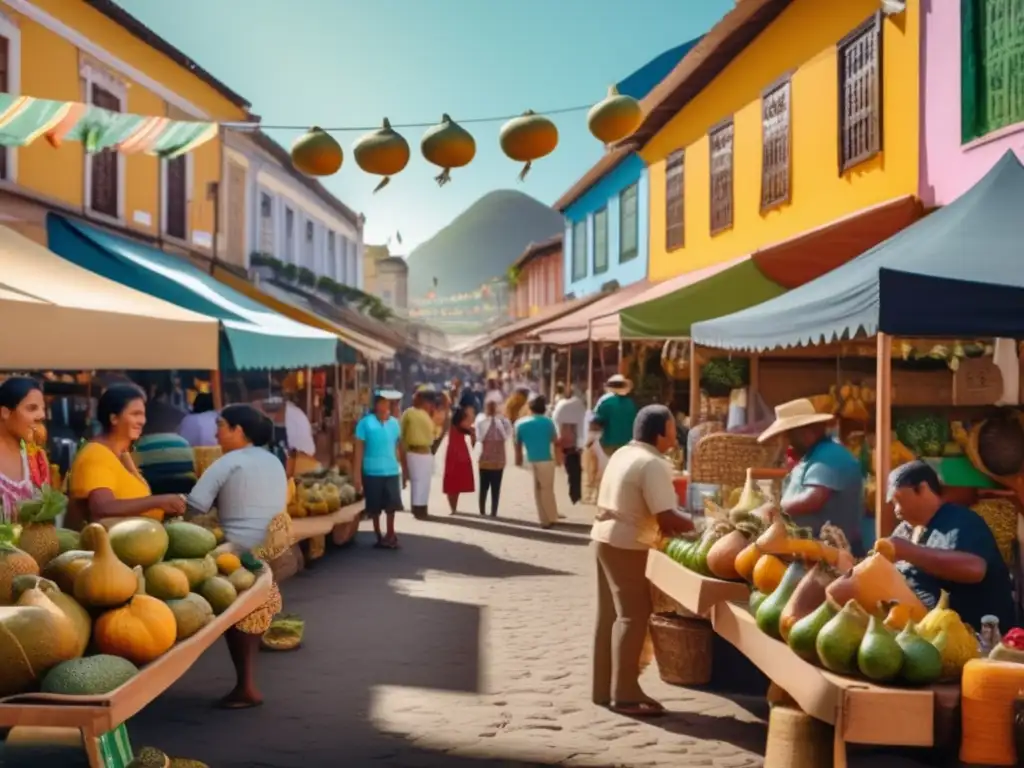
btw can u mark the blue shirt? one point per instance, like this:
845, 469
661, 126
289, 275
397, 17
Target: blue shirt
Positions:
536, 434
830, 465
380, 441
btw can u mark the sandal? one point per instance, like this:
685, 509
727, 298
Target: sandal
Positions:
639, 709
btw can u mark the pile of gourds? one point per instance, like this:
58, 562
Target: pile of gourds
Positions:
319, 492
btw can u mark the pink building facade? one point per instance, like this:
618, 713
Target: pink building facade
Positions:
973, 92
540, 278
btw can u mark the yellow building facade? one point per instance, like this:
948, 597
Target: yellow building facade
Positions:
815, 119
94, 52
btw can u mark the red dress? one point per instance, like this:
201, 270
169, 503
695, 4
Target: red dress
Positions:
458, 466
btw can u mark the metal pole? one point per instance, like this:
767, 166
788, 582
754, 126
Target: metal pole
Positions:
590, 367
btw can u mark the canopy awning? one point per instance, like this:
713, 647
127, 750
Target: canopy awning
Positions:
257, 338
508, 333
576, 327
302, 311
764, 275
60, 316
958, 272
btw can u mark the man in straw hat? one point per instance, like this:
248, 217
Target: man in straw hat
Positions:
377, 469
615, 414
418, 434
827, 483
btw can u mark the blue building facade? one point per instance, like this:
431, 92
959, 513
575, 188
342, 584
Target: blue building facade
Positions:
606, 226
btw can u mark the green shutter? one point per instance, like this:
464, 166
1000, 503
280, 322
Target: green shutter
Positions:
969, 118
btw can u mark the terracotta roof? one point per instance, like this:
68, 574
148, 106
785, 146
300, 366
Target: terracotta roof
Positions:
533, 250
705, 61
122, 18
603, 166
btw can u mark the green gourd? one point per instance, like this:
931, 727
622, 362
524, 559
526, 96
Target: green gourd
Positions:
770, 611
756, 598
922, 661
879, 657
839, 640
803, 636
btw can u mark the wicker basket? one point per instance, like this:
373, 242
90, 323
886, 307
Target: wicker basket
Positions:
682, 648
797, 740
315, 547
667, 606
723, 458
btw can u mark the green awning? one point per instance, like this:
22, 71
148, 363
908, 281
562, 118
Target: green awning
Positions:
256, 337
701, 295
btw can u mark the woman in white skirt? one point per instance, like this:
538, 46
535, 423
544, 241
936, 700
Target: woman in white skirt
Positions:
417, 440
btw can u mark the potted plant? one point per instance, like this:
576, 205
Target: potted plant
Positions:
307, 278
264, 265
289, 273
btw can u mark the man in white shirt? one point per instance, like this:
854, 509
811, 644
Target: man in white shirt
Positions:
636, 499
570, 416
298, 429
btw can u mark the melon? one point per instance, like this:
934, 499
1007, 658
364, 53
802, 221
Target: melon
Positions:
30, 646
219, 592
89, 676
14, 563
242, 579
80, 620
191, 613
197, 570
165, 582
68, 539
188, 540
139, 541
63, 569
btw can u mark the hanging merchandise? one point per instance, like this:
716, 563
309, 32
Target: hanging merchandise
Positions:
317, 153
382, 152
527, 138
448, 145
614, 118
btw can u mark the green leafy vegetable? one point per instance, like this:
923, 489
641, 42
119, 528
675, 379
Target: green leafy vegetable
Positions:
45, 507
8, 534
925, 435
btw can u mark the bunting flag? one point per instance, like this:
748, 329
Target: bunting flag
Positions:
23, 119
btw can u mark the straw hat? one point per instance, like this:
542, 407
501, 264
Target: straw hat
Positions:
387, 394
619, 384
793, 415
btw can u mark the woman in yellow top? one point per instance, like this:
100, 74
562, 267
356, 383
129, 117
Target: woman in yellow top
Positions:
418, 430
105, 484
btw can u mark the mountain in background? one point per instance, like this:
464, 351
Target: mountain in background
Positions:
480, 243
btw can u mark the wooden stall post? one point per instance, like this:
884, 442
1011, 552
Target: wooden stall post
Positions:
694, 385
885, 520
590, 367
752, 390
216, 389
568, 369
309, 393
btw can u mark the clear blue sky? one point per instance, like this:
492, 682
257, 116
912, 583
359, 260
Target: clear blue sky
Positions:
352, 62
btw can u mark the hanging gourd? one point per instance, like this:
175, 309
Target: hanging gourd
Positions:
527, 138
382, 152
317, 153
447, 145
615, 117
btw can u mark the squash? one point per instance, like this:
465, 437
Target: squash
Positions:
104, 581
839, 640
65, 567
777, 540
873, 581
803, 635
317, 153
723, 553
769, 613
615, 117
447, 145
382, 153
228, 563
139, 541
191, 613
897, 616
141, 631
30, 645
13, 563
768, 573
746, 560
956, 642
165, 582
809, 594
68, 645
80, 620
527, 138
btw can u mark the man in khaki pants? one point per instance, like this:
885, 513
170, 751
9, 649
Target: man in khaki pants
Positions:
635, 500
537, 436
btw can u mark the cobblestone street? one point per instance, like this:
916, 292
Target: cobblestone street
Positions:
470, 646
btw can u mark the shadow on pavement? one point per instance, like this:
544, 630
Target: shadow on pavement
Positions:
519, 530
565, 525
361, 633
746, 736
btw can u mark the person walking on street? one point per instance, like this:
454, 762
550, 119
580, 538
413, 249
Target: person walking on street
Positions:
494, 393
417, 427
615, 414
537, 438
377, 469
570, 416
636, 499
492, 433
458, 463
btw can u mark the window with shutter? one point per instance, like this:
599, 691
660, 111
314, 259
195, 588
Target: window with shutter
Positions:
289, 235
992, 66
579, 250
721, 144
332, 256
5, 84
105, 194
601, 241
860, 94
309, 252
629, 224
775, 167
177, 197
675, 210
267, 224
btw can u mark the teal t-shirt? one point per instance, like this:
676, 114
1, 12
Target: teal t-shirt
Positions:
536, 434
616, 414
831, 465
380, 440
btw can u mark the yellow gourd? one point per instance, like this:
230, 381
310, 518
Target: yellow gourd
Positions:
228, 563
615, 117
746, 561
768, 574
105, 581
141, 631
67, 636
873, 581
988, 692
958, 643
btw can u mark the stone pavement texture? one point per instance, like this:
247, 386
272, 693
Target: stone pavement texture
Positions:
468, 647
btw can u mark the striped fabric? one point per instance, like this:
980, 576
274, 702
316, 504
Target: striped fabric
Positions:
23, 119
164, 455
116, 748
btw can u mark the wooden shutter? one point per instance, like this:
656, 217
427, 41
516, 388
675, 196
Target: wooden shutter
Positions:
1001, 100
629, 234
601, 241
721, 144
236, 213
176, 191
104, 182
675, 211
775, 132
860, 94
5, 84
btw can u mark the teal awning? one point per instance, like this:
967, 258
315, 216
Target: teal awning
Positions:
256, 337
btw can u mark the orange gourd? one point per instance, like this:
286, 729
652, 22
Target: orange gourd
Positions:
527, 138
885, 548
447, 145
896, 616
723, 553
104, 581
768, 573
615, 117
777, 540
141, 631
316, 153
746, 560
383, 152
228, 563
875, 581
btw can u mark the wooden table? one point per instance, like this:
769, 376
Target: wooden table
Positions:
321, 525
697, 594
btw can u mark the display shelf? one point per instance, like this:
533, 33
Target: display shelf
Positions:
696, 593
321, 525
861, 712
